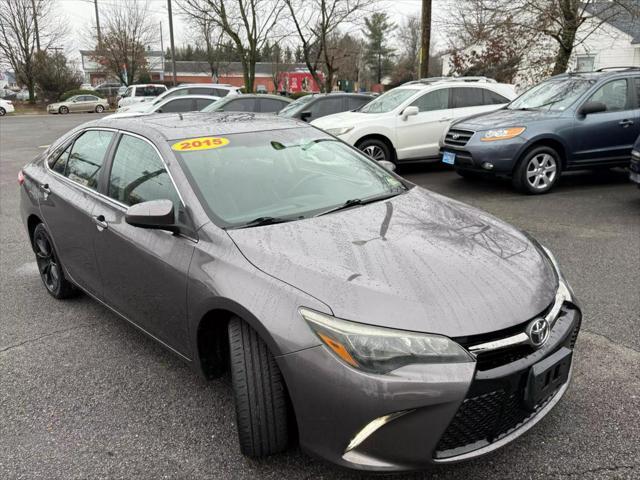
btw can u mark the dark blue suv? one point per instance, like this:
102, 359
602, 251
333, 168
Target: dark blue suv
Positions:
569, 122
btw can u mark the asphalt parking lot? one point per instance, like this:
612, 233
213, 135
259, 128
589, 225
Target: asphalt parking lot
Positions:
84, 395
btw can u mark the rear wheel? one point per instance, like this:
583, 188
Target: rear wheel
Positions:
3, 112
376, 149
99, 109
49, 265
538, 171
63, 110
260, 393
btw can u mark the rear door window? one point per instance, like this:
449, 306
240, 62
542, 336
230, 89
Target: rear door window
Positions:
613, 94
203, 102
138, 174
87, 157
220, 92
270, 105
202, 91
178, 105
241, 105
466, 97
325, 106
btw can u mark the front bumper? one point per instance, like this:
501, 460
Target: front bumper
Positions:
634, 168
437, 413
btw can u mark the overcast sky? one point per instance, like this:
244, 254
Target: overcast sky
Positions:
81, 14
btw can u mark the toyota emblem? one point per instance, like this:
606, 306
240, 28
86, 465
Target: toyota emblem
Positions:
538, 332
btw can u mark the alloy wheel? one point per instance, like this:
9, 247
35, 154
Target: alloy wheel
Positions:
541, 171
2, 112
99, 109
374, 152
47, 263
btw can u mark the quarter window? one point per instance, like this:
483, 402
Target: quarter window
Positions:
87, 157
178, 105
435, 100
138, 174
270, 105
613, 94
60, 163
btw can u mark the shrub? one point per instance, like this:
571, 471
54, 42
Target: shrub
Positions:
71, 93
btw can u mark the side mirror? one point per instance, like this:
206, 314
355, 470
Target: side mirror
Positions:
154, 214
387, 165
409, 112
306, 115
592, 107
159, 110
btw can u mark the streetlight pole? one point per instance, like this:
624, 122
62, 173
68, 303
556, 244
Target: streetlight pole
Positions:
173, 50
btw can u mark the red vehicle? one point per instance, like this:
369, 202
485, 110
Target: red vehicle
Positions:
294, 82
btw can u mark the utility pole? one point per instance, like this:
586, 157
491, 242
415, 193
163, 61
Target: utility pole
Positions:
162, 55
35, 22
95, 2
173, 49
425, 40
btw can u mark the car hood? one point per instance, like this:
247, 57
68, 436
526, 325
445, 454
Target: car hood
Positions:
344, 119
504, 118
418, 262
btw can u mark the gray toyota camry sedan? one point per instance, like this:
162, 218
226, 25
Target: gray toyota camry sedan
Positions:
383, 326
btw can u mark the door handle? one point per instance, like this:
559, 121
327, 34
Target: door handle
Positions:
100, 222
44, 188
625, 123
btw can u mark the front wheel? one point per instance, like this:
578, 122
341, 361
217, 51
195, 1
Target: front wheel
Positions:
376, 149
99, 109
63, 110
260, 393
49, 265
3, 112
538, 171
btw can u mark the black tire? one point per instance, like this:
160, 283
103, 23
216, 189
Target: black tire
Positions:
3, 112
537, 171
49, 266
63, 110
376, 149
260, 393
99, 109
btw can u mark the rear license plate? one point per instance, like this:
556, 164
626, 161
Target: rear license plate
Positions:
635, 177
546, 376
449, 157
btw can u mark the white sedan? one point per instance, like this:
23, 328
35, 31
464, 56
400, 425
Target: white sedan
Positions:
404, 125
181, 104
6, 106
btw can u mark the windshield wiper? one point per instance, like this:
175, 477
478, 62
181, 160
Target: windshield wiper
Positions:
260, 221
357, 201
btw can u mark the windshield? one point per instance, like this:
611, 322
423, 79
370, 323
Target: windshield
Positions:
388, 101
285, 174
552, 94
294, 106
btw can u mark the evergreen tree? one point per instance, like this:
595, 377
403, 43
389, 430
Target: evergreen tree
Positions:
378, 53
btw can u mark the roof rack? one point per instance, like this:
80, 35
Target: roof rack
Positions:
430, 80
616, 69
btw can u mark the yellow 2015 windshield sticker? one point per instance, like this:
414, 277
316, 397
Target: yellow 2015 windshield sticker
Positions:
202, 143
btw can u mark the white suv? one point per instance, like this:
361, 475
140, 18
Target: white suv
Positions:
405, 124
140, 93
210, 89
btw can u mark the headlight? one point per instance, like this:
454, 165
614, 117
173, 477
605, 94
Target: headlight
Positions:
501, 134
380, 350
635, 153
338, 131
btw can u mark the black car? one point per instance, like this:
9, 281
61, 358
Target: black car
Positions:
572, 121
312, 107
634, 167
256, 103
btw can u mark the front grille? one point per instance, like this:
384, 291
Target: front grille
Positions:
484, 419
635, 165
457, 138
503, 356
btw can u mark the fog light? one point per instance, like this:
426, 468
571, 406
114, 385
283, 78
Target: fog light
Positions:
487, 166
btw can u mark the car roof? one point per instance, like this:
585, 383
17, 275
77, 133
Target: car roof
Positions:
258, 95
175, 126
603, 73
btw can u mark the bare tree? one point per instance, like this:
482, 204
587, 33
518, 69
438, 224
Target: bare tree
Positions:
247, 23
409, 36
317, 22
23, 25
208, 33
127, 31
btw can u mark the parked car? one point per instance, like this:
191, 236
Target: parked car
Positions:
139, 93
80, 103
569, 122
634, 167
209, 89
108, 89
7, 94
86, 86
389, 327
312, 107
252, 102
6, 106
184, 103
405, 124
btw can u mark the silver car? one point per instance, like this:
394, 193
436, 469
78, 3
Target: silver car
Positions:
80, 103
382, 325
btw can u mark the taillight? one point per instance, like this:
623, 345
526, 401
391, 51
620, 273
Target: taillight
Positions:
20, 178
